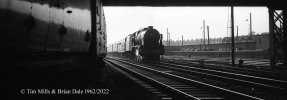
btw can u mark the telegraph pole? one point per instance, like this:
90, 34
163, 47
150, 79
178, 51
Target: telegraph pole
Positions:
182, 42
237, 32
169, 39
203, 34
232, 36
208, 34
250, 26
167, 43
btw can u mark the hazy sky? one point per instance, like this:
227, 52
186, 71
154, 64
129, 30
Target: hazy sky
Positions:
186, 21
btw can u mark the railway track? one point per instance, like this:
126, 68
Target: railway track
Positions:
250, 63
174, 86
252, 85
259, 83
274, 74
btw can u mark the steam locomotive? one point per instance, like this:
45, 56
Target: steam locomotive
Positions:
142, 45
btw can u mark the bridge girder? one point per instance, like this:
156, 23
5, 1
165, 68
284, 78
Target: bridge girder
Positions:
274, 3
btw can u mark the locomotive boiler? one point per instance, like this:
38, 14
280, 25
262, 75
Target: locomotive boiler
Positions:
142, 45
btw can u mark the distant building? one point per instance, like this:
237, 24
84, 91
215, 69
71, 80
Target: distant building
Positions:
246, 42
262, 42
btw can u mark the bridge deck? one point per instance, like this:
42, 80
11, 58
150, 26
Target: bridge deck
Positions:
274, 3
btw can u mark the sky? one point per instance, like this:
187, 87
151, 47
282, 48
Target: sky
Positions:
183, 21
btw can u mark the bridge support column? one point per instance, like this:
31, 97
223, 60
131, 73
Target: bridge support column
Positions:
278, 36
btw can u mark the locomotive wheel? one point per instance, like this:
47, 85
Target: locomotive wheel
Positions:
139, 59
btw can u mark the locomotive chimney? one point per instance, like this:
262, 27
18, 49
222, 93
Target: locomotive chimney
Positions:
150, 27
